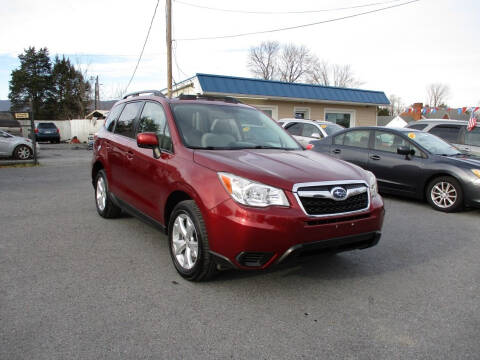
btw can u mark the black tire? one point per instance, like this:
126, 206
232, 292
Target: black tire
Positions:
453, 200
204, 267
110, 210
23, 152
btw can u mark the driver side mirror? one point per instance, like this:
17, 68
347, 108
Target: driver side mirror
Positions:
405, 150
149, 141
316, 136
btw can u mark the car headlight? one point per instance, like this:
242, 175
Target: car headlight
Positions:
251, 193
372, 183
476, 172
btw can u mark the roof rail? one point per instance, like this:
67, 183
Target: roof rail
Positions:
228, 99
138, 93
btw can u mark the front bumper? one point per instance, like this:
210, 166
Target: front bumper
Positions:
253, 238
471, 189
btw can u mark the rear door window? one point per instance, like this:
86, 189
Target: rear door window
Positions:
357, 138
113, 116
125, 123
447, 132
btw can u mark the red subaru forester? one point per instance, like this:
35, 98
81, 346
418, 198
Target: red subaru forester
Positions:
229, 186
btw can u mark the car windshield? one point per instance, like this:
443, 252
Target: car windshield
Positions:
226, 127
433, 144
332, 128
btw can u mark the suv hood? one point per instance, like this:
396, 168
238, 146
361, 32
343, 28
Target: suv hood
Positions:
279, 168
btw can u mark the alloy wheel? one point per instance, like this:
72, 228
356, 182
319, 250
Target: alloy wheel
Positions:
101, 193
23, 153
185, 241
444, 195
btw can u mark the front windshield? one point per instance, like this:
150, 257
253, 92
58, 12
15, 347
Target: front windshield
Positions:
210, 126
332, 128
433, 144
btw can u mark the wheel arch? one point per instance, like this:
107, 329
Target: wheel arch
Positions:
436, 175
97, 166
173, 199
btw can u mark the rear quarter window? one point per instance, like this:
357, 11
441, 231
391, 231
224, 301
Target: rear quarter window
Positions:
417, 126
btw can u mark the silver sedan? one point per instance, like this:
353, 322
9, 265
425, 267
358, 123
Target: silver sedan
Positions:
15, 146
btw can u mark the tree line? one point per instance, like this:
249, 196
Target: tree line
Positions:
53, 90
272, 60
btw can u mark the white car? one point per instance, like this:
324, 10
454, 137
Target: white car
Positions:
305, 131
16, 146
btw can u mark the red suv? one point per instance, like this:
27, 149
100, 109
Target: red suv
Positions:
229, 186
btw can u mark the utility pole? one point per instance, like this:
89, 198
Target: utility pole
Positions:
97, 94
169, 47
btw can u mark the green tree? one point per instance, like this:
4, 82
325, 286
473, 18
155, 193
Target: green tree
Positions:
68, 97
31, 81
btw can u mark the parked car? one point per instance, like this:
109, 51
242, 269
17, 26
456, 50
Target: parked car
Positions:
47, 131
411, 163
453, 131
15, 146
10, 125
305, 131
229, 186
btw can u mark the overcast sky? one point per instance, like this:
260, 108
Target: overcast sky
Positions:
399, 51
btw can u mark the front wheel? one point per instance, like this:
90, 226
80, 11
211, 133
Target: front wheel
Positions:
445, 194
105, 207
188, 242
23, 152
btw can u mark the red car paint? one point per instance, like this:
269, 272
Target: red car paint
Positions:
146, 183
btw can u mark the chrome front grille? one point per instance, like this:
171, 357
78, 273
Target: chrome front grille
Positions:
333, 197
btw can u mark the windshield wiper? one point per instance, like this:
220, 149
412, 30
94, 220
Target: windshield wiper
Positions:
271, 147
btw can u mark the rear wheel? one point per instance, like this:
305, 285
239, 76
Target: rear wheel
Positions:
23, 152
445, 194
105, 207
188, 243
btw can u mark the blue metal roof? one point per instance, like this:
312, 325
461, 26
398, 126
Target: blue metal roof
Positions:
247, 86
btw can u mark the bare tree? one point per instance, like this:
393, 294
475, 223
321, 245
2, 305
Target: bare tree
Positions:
396, 105
343, 76
262, 60
319, 72
437, 94
294, 63
322, 73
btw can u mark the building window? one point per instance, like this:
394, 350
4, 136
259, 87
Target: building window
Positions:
269, 110
340, 117
301, 112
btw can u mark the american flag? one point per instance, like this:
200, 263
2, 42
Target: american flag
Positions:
473, 120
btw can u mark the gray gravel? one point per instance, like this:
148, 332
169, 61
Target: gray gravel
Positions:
74, 285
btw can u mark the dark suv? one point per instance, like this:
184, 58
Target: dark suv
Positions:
229, 186
47, 131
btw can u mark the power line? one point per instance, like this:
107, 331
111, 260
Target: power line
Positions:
284, 12
144, 44
298, 26
179, 70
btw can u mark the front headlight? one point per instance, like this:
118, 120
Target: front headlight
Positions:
252, 193
372, 183
476, 172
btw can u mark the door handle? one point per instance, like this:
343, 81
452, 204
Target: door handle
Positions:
375, 157
336, 151
130, 155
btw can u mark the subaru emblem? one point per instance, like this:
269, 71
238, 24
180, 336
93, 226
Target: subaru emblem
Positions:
339, 193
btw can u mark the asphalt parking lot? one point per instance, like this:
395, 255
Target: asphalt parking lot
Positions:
74, 285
